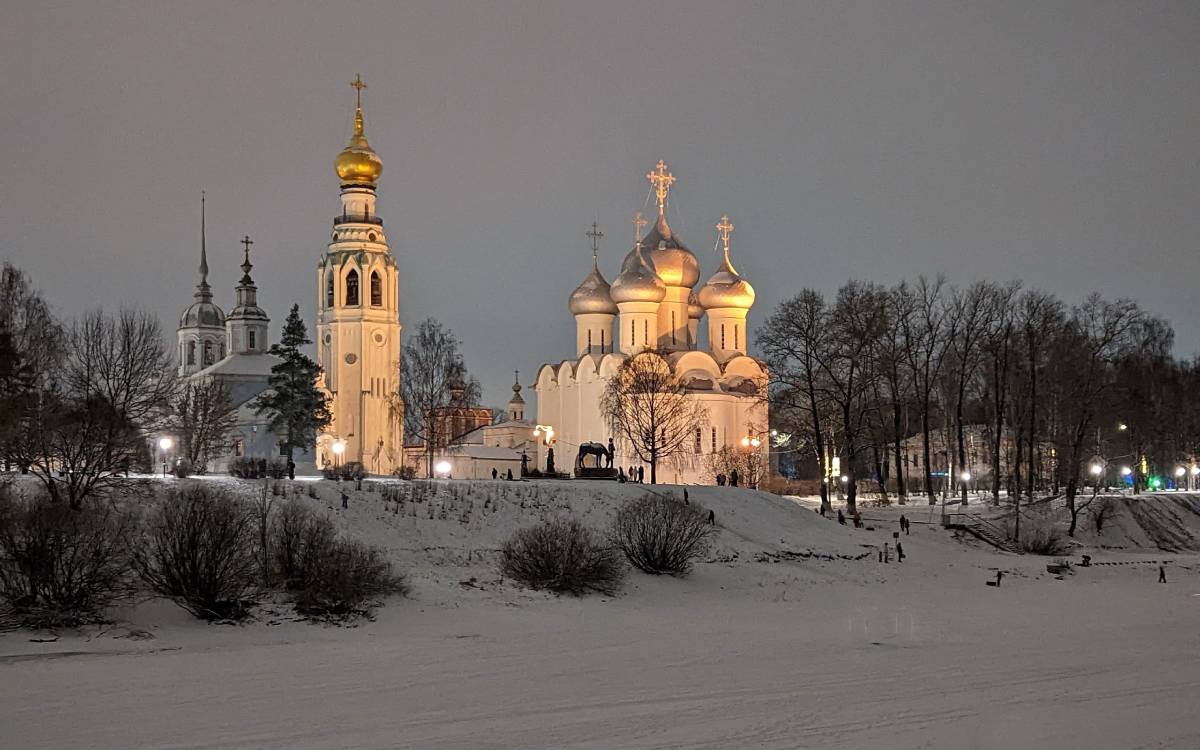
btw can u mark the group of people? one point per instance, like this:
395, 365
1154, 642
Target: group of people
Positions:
731, 480
636, 475
884, 554
496, 474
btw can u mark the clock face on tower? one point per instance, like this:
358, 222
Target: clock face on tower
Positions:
351, 358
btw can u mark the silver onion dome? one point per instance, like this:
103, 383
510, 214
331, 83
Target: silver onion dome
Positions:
593, 295
638, 281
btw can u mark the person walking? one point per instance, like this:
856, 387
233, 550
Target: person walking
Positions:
345, 500
641, 475
841, 517
291, 467
510, 475
733, 478
899, 552
495, 473
712, 517
685, 496
1162, 574
903, 524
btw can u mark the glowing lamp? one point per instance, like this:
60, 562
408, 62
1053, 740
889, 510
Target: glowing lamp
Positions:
165, 443
442, 468
1126, 471
845, 479
1180, 471
965, 476
339, 447
1097, 469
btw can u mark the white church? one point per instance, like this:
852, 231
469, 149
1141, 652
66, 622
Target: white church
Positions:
654, 304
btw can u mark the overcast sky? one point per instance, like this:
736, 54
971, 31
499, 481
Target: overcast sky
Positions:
1056, 142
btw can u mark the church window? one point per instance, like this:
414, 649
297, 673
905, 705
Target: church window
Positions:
698, 439
376, 290
601, 341
352, 288
722, 335
589, 342
714, 440
208, 353
221, 350
645, 333
329, 289
191, 353
283, 447
672, 326
735, 337
632, 332
252, 339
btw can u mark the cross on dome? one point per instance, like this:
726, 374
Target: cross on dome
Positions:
358, 85
596, 235
639, 221
662, 181
726, 229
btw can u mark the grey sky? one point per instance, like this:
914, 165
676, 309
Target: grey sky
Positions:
1050, 141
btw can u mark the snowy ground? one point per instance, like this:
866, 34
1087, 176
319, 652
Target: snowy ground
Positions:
789, 637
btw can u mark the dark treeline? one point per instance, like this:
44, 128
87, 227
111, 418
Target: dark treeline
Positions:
1062, 394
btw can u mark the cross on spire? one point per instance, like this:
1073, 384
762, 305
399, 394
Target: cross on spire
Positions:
596, 235
662, 181
726, 229
639, 221
358, 85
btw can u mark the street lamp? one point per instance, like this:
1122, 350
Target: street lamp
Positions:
164, 445
442, 468
339, 447
1180, 472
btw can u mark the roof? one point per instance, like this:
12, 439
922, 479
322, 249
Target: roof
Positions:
242, 364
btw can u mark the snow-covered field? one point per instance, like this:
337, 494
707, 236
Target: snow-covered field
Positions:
792, 635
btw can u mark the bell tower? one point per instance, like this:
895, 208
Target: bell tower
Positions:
358, 320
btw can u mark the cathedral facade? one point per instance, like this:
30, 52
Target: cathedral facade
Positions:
654, 304
358, 320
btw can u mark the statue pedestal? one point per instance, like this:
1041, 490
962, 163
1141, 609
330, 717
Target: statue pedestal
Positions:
595, 473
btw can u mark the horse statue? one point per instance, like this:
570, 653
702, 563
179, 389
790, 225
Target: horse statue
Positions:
590, 449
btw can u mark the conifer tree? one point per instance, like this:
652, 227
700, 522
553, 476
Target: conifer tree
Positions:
298, 409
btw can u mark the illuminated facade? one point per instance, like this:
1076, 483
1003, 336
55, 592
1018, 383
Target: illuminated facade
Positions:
654, 303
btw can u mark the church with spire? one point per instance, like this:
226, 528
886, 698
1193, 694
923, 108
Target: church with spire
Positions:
232, 350
358, 319
655, 304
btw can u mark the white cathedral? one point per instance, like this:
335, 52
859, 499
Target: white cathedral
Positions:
358, 334
655, 305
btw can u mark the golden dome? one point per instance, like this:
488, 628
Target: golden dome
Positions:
675, 264
638, 281
726, 288
358, 164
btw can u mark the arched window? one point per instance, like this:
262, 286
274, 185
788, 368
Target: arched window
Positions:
601, 340
645, 333
376, 290
252, 341
673, 331
735, 337
352, 288
722, 335
329, 289
191, 352
208, 353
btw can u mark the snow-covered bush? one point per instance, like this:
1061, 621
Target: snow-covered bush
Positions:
199, 549
661, 534
348, 577
1042, 537
564, 556
299, 542
62, 567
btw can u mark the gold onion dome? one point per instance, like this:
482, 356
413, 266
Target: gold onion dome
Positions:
726, 288
675, 264
358, 164
638, 281
695, 309
593, 295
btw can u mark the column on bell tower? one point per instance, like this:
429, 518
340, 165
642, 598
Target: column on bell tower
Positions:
358, 321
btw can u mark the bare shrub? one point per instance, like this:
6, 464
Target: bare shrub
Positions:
300, 540
1043, 537
62, 567
661, 534
350, 575
199, 550
564, 556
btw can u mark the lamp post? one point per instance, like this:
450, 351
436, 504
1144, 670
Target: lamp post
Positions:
1180, 473
339, 447
164, 445
1097, 470
751, 444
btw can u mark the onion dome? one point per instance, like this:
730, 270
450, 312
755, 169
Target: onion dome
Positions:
638, 281
358, 164
593, 295
726, 288
695, 309
676, 265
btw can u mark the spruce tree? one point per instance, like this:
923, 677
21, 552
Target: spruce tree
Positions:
298, 410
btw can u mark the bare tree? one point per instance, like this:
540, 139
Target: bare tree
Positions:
970, 312
431, 367
30, 348
795, 340
926, 338
997, 350
203, 416
649, 407
93, 418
